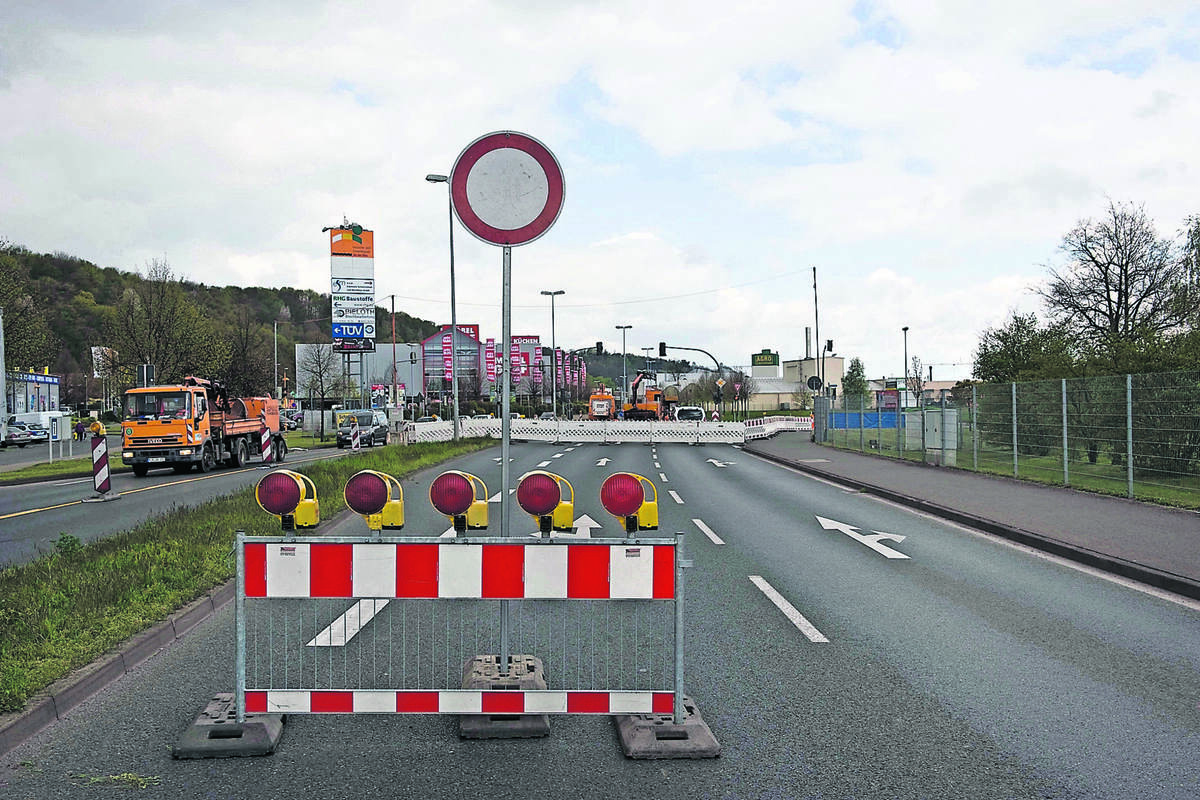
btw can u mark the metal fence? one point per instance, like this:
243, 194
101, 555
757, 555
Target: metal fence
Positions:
1136, 435
394, 625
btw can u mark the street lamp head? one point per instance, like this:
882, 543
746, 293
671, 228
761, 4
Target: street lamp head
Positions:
555, 292
624, 327
905, 329
436, 178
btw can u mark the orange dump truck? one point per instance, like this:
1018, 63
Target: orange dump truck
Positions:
195, 424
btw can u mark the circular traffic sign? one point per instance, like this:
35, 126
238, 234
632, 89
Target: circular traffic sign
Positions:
814, 382
506, 188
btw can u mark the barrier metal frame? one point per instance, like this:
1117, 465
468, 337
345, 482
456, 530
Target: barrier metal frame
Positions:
679, 564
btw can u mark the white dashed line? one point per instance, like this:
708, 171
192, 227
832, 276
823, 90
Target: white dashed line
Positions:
675, 496
708, 532
544, 464
558, 455
663, 478
789, 610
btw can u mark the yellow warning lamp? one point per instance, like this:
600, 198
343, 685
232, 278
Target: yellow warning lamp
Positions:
623, 495
540, 495
377, 497
291, 496
462, 497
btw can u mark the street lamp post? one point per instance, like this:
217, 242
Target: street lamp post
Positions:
453, 311
624, 371
905, 329
553, 352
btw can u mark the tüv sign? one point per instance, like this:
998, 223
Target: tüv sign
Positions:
353, 330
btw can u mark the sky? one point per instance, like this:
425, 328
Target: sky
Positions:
926, 158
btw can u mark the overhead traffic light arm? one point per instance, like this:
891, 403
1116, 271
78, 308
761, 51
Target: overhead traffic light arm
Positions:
663, 346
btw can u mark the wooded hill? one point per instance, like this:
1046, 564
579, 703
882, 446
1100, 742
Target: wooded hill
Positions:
57, 307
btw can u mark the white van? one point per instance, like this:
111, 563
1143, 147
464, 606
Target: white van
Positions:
43, 418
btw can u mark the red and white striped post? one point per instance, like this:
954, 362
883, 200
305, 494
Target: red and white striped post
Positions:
267, 452
101, 479
355, 444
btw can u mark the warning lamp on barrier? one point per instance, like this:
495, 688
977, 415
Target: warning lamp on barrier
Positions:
462, 497
377, 497
540, 495
623, 495
291, 496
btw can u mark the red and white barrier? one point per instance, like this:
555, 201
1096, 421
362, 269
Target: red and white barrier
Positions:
267, 453
457, 701
355, 443
471, 571
101, 480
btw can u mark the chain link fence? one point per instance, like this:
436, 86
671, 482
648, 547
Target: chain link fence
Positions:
1131, 435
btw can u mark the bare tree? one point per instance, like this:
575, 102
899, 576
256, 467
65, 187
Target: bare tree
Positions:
320, 375
249, 357
155, 323
1120, 283
916, 384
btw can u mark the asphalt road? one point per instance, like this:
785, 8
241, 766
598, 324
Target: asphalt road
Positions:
33, 515
968, 668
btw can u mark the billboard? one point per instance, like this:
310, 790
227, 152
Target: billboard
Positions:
352, 284
764, 359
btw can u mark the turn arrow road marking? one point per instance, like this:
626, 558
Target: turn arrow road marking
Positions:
873, 541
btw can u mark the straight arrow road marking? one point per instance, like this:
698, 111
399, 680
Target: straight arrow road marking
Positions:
675, 496
789, 610
719, 464
343, 629
872, 541
603, 462
708, 532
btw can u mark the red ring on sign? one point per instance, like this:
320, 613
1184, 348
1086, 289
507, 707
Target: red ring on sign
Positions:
497, 141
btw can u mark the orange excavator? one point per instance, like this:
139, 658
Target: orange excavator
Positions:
655, 403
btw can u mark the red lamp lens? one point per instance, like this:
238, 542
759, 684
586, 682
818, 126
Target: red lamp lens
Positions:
451, 494
538, 494
279, 493
622, 494
366, 493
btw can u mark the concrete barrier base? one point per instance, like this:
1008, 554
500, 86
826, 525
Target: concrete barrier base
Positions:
217, 734
657, 735
483, 672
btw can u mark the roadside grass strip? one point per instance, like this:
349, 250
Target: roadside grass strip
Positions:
789, 610
68, 608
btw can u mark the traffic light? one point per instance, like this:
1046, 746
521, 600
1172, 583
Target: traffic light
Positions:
717, 396
599, 348
662, 349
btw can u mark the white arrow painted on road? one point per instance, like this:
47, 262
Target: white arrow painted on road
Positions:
583, 530
602, 462
721, 464
872, 541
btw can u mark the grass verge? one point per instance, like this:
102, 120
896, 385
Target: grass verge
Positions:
70, 607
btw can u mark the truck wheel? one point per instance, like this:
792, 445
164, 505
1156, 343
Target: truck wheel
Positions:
140, 470
238, 456
208, 459
280, 449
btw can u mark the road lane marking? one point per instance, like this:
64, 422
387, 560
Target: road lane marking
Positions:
675, 496
558, 455
708, 532
657, 465
663, 478
343, 629
789, 610
544, 464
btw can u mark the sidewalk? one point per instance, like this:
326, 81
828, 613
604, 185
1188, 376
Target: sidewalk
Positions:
1157, 545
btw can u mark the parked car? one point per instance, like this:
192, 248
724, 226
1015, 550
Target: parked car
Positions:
291, 420
484, 416
689, 414
372, 428
39, 432
430, 418
17, 435
548, 415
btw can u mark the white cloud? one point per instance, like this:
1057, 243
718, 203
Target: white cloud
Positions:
927, 162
